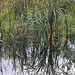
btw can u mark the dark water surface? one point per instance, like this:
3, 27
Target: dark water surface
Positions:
25, 58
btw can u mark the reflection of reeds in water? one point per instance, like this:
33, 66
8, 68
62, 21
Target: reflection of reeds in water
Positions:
0, 60
36, 56
0, 66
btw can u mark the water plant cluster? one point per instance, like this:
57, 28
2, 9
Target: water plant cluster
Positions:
38, 33
40, 19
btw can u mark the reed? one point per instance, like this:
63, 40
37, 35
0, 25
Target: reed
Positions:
42, 19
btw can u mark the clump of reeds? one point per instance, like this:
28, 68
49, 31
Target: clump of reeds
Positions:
43, 20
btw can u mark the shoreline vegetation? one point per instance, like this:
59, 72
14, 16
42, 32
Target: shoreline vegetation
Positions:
36, 19
39, 35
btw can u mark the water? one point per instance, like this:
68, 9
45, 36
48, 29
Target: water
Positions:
25, 58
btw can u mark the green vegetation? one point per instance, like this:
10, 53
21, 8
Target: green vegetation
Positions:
46, 18
40, 20
38, 30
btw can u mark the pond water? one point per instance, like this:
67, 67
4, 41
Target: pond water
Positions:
25, 58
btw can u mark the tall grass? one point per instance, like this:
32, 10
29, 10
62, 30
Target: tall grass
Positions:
0, 18
42, 19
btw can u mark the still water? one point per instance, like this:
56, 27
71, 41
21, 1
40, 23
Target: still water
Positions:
29, 58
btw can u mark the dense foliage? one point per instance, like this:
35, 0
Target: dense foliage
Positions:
42, 18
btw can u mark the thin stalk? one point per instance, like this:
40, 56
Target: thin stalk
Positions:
66, 28
0, 17
0, 14
9, 21
51, 23
25, 13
